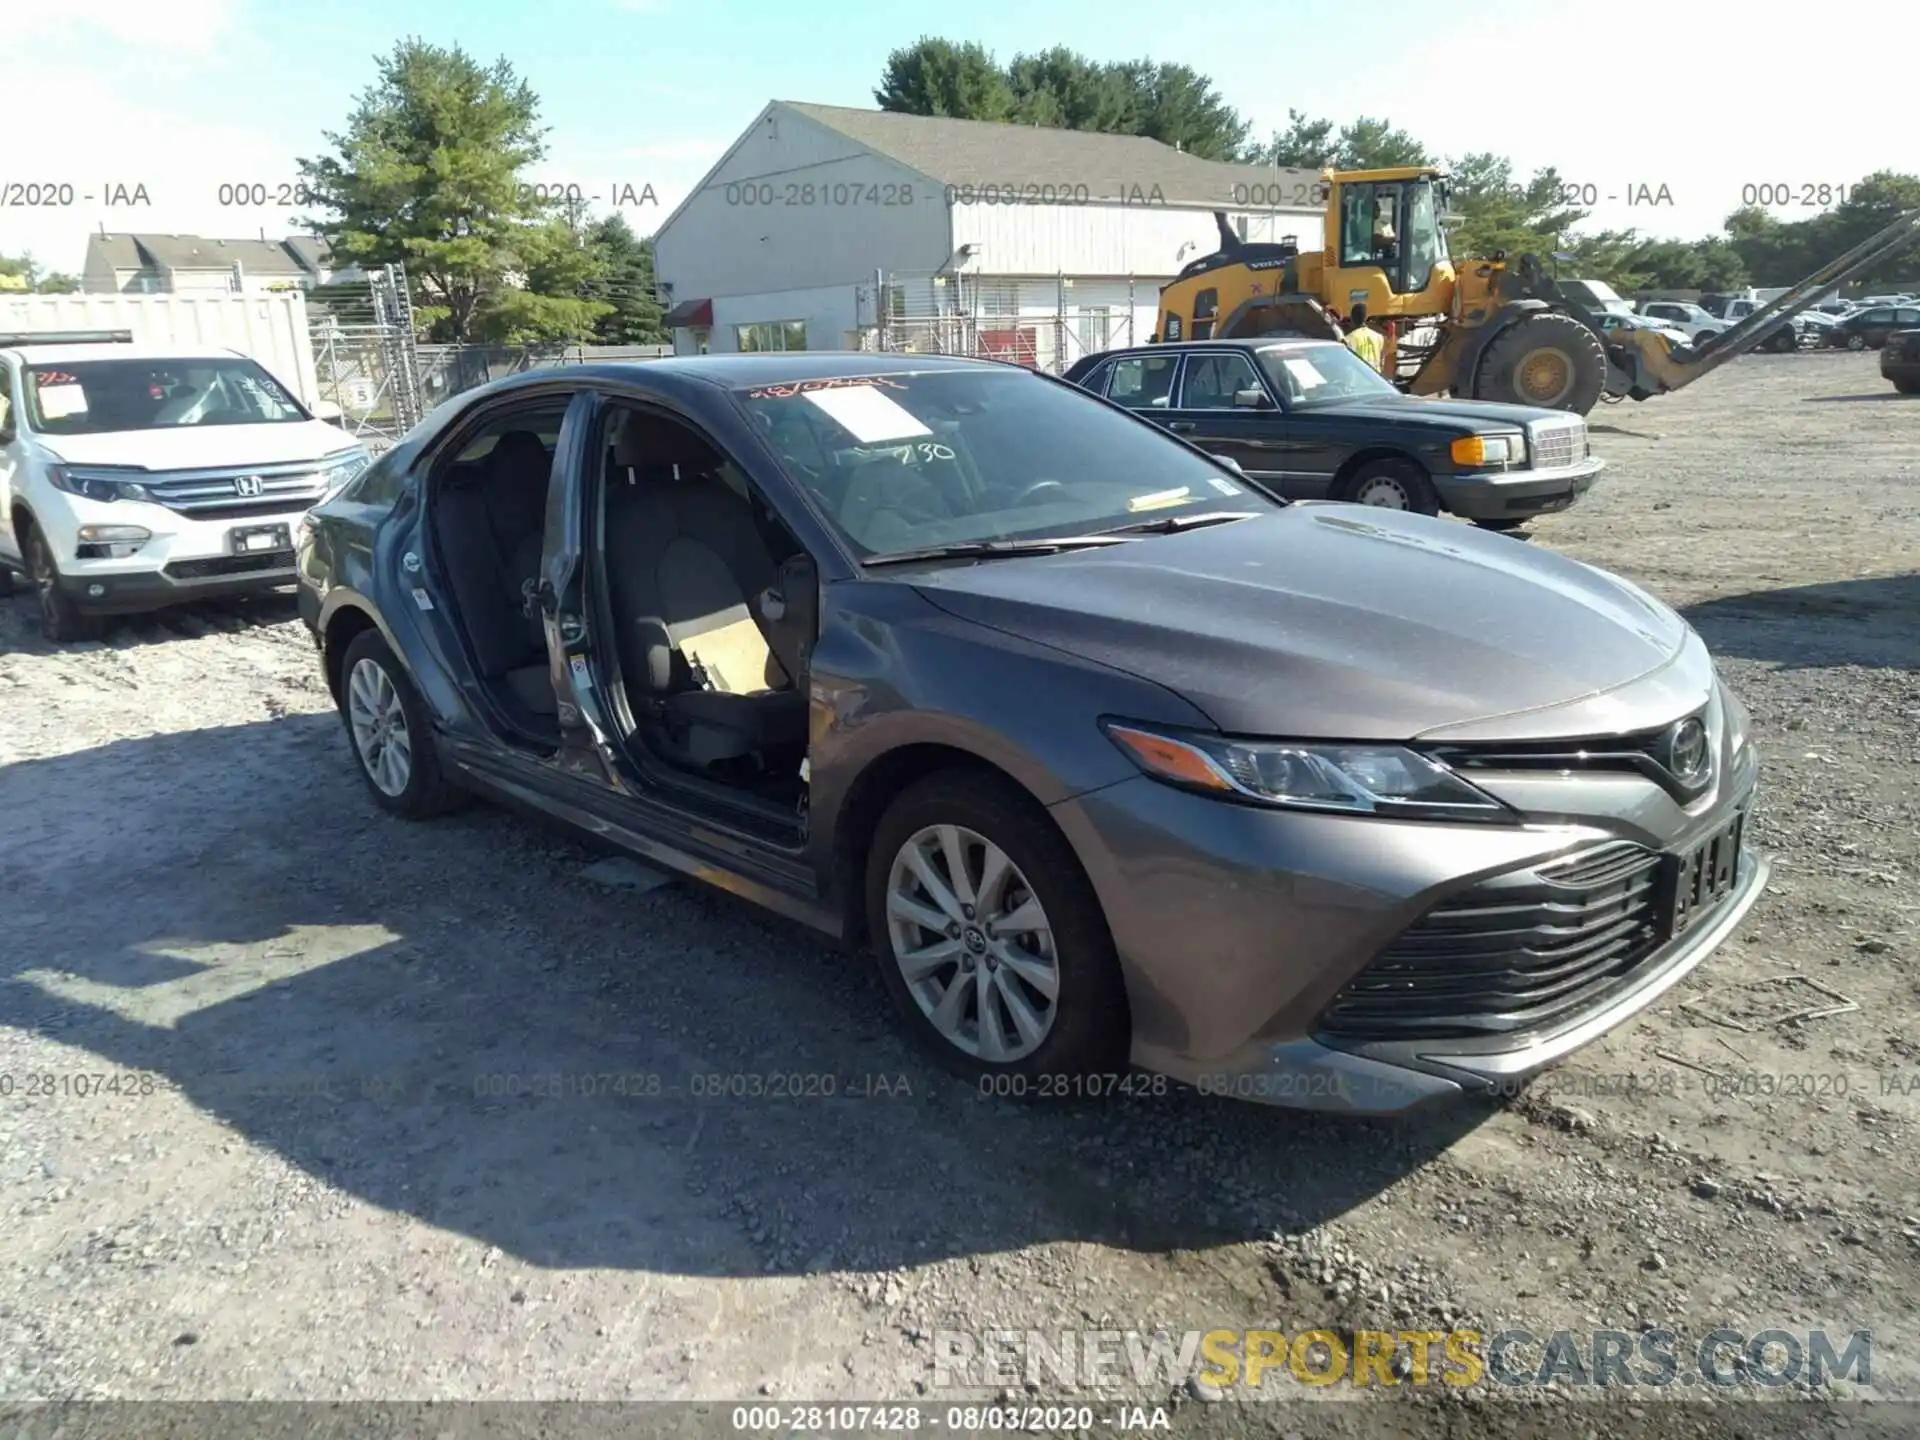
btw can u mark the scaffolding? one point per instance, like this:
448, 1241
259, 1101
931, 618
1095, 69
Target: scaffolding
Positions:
1044, 323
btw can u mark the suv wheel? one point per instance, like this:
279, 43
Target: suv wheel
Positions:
1391, 485
989, 936
1856, 341
60, 619
392, 737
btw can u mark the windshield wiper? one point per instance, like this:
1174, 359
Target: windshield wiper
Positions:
1169, 524
975, 549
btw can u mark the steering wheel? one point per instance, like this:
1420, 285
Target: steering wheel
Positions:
1036, 488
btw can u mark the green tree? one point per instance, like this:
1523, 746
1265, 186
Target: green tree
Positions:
1065, 90
554, 303
23, 273
1178, 106
427, 172
942, 77
626, 284
1496, 212
1314, 144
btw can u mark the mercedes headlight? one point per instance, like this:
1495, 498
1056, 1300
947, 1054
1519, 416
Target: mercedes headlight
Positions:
1385, 780
1476, 451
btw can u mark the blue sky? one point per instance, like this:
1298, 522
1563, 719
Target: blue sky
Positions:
183, 99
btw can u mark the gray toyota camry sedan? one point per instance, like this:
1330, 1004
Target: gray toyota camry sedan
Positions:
1109, 760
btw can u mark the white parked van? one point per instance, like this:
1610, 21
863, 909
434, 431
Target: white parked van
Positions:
136, 477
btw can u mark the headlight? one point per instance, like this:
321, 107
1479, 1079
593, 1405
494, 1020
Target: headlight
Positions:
1483, 450
1386, 780
341, 470
98, 483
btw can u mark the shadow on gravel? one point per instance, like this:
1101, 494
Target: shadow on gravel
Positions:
20, 623
1874, 622
449, 1022
1851, 399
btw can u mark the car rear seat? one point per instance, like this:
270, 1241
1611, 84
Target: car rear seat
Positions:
491, 531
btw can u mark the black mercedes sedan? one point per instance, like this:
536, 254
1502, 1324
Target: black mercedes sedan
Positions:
1105, 757
1310, 420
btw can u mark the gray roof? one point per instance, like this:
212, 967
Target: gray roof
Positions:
1112, 167
195, 252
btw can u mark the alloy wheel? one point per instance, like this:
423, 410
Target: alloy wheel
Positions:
379, 724
973, 943
1384, 491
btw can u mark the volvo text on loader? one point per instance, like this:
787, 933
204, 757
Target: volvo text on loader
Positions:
1489, 328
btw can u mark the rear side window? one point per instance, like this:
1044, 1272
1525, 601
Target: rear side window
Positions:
1906, 317
1211, 381
6, 396
1096, 379
1143, 382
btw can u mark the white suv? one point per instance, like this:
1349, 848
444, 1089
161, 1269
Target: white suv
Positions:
135, 477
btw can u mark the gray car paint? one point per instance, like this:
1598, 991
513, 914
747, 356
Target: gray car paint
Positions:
1261, 624
1234, 924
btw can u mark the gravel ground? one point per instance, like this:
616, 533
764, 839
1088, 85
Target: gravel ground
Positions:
288, 1176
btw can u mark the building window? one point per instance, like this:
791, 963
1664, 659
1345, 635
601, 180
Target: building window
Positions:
772, 335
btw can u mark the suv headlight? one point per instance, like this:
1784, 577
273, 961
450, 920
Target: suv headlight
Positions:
1482, 451
340, 470
1384, 780
99, 482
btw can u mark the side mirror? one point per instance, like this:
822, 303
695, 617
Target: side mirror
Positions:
791, 605
1252, 398
328, 411
1231, 464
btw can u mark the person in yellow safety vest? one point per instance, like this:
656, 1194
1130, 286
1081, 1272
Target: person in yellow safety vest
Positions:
1363, 340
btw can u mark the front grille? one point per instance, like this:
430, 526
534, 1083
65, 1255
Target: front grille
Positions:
1642, 753
1555, 443
217, 494
1514, 953
220, 565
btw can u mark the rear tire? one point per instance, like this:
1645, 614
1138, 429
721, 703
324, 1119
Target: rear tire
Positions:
1391, 485
1856, 342
60, 619
1064, 945
1504, 527
391, 734
1548, 359
1907, 387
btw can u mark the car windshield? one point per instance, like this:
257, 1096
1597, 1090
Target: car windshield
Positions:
908, 461
1311, 376
98, 397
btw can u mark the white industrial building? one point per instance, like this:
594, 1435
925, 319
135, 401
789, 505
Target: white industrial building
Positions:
827, 228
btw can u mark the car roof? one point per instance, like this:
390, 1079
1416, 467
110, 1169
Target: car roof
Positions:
1257, 342
69, 354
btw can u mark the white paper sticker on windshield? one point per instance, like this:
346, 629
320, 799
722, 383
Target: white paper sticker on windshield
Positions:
867, 414
1225, 487
59, 401
1160, 499
1303, 371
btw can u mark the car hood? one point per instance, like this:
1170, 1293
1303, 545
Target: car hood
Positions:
1452, 415
1332, 621
193, 447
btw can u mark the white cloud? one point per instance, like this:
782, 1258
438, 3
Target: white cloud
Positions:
139, 24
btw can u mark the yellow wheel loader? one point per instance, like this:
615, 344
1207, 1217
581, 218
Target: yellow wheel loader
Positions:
1483, 329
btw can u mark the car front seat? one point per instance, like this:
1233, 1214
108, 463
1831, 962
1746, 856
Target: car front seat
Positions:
686, 565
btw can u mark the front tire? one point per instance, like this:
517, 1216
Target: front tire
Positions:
1548, 359
1907, 387
989, 936
391, 733
1391, 485
1856, 342
60, 619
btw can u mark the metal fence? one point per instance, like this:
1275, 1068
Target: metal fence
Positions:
364, 355
448, 370
1046, 324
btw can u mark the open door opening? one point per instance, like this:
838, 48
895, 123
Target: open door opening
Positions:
713, 607
486, 509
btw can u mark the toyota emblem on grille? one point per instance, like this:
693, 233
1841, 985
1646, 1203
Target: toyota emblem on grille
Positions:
248, 486
1688, 755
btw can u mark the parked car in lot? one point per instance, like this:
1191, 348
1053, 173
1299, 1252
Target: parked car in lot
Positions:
1611, 321
1900, 361
1310, 420
136, 477
1869, 328
1106, 756
1682, 315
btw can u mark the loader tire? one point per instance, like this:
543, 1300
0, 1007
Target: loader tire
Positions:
1547, 359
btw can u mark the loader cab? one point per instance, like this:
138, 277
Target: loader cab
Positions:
1386, 239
